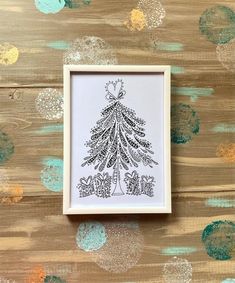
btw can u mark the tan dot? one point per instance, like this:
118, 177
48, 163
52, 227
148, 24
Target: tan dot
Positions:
153, 11
90, 50
226, 55
9, 54
177, 270
50, 104
123, 248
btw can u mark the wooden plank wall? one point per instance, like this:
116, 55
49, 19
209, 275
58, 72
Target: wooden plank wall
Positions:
38, 243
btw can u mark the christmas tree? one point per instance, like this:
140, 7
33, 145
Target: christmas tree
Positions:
117, 141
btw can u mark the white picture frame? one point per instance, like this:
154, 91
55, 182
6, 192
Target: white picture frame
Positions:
84, 95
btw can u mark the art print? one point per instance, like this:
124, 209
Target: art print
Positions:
117, 141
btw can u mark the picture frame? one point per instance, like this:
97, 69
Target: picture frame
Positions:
116, 139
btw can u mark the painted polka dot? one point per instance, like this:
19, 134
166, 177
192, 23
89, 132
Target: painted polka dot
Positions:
177, 270
153, 11
217, 23
52, 174
185, 123
50, 104
53, 279
49, 6
226, 55
90, 50
219, 239
11, 194
6, 147
226, 151
73, 4
36, 274
136, 20
123, 248
9, 54
91, 236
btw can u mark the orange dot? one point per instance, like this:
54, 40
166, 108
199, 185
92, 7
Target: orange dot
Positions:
37, 275
11, 194
136, 20
226, 151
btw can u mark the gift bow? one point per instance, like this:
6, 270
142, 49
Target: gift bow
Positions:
86, 181
148, 179
132, 175
101, 177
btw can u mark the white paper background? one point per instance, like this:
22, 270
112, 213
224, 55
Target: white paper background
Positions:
144, 95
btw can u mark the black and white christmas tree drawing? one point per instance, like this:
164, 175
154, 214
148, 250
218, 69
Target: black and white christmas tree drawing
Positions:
118, 140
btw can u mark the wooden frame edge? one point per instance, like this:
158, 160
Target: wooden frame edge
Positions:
66, 139
67, 70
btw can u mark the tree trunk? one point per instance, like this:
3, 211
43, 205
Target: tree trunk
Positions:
118, 190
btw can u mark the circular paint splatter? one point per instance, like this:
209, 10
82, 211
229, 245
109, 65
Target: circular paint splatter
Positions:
219, 239
90, 50
11, 194
9, 54
37, 274
153, 11
136, 20
72, 4
226, 151
226, 55
50, 104
184, 123
6, 147
217, 24
177, 270
52, 174
49, 6
53, 279
91, 236
123, 248
7, 194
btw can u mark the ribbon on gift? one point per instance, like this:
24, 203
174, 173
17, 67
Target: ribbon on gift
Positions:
85, 181
148, 179
132, 175
101, 178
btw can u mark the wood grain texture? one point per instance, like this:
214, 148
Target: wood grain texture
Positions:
39, 65
33, 231
43, 235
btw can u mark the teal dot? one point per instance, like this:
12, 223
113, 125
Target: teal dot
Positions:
52, 174
91, 236
53, 279
219, 239
49, 6
218, 24
76, 3
185, 123
6, 147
